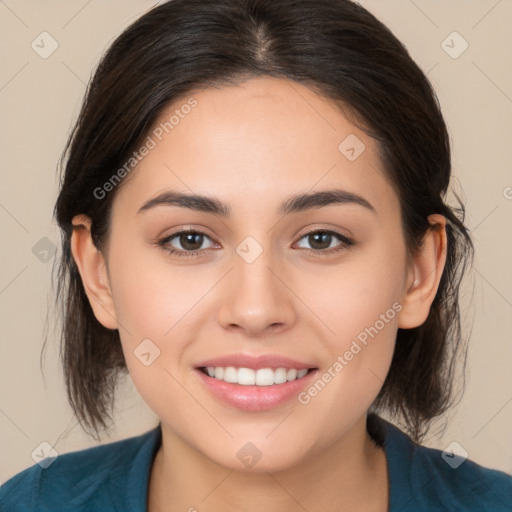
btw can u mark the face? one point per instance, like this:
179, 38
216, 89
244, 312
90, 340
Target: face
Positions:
318, 286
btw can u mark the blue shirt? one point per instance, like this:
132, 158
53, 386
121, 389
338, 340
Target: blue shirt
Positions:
115, 477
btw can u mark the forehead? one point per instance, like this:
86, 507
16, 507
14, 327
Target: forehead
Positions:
262, 140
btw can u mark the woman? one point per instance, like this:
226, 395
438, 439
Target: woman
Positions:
254, 227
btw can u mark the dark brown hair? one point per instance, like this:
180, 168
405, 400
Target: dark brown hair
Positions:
340, 51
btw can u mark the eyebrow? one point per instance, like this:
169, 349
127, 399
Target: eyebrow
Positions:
296, 203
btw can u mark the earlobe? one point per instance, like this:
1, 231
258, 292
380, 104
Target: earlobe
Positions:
93, 271
424, 275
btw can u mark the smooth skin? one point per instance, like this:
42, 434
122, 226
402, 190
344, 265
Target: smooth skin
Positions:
253, 146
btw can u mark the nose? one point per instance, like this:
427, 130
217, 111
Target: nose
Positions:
257, 299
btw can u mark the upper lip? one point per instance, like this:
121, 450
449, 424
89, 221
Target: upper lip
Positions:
251, 361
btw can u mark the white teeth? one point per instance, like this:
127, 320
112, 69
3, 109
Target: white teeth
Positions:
291, 374
250, 377
246, 377
230, 374
264, 377
280, 376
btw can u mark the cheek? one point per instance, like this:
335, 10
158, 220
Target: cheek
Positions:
153, 305
360, 293
361, 351
152, 297
361, 310
158, 305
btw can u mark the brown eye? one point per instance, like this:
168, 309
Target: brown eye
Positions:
190, 242
320, 241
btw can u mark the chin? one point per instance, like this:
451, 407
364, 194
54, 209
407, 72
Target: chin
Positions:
248, 458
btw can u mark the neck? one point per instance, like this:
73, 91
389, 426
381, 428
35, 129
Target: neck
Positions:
350, 476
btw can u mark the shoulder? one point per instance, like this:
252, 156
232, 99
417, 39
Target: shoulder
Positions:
107, 477
423, 478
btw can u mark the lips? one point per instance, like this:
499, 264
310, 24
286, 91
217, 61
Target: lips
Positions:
249, 397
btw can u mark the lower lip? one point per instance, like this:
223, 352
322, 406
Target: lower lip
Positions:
255, 398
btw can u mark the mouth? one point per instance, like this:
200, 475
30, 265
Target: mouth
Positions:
254, 384
255, 376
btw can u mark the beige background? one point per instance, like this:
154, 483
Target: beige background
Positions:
39, 100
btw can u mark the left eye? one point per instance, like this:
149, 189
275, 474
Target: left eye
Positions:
321, 237
191, 242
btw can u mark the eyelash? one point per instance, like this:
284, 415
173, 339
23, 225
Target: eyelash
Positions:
346, 243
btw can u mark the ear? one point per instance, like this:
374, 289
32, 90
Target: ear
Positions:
424, 275
93, 271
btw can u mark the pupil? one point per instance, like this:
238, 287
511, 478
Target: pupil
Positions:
321, 236
187, 239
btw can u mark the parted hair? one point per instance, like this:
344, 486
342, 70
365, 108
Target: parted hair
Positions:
337, 49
